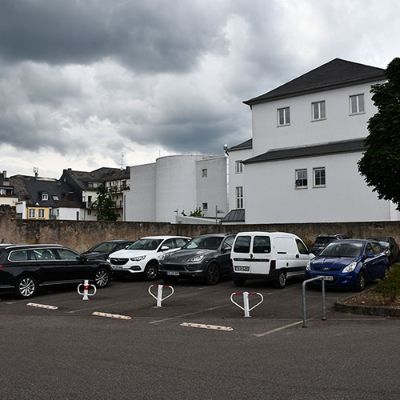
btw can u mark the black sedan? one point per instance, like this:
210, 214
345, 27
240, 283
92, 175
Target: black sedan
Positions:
206, 257
102, 250
24, 268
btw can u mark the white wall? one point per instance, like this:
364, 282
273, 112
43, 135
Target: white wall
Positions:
212, 189
20, 208
9, 201
338, 125
68, 213
175, 186
271, 196
237, 179
140, 200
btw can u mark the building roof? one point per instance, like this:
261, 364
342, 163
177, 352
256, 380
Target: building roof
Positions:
334, 74
100, 175
248, 144
345, 146
237, 215
31, 188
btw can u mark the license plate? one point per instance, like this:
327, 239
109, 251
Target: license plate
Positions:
242, 268
173, 273
117, 267
328, 278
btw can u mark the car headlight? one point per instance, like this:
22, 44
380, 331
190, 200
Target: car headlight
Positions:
351, 267
308, 267
138, 258
196, 259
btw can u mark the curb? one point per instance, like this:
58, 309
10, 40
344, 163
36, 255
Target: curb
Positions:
380, 311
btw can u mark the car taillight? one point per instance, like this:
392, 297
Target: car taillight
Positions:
1, 266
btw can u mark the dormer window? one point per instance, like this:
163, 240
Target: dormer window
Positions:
45, 196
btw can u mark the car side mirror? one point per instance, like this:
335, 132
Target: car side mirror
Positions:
164, 248
226, 249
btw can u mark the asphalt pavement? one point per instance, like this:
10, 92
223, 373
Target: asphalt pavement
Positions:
197, 345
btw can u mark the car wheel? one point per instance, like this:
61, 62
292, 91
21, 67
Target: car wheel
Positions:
212, 274
151, 271
102, 278
26, 287
360, 282
239, 282
280, 281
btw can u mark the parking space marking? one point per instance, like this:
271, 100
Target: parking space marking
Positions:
188, 314
37, 305
114, 316
205, 326
278, 329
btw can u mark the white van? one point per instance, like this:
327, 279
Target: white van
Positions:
272, 256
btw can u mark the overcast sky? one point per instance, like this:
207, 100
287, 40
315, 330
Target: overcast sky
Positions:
83, 81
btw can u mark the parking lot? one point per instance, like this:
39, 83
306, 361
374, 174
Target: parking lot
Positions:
197, 345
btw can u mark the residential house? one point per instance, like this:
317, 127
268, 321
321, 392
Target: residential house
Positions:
7, 196
307, 137
86, 185
176, 186
45, 198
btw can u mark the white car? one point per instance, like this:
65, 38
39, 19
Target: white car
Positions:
142, 256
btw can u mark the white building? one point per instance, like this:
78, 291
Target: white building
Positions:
175, 186
308, 136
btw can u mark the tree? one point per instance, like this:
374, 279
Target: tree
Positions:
380, 164
104, 205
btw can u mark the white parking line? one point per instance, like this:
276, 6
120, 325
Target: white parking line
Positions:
278, 329
188, 314
205, 326
37, 305
107, 315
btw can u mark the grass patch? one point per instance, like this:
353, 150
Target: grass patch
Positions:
389, 288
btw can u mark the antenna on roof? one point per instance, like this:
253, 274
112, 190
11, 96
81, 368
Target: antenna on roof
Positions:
122, 165
36, 171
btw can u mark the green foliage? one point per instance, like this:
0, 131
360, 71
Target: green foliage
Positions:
197, 212
380, 164
104, 205
390, 286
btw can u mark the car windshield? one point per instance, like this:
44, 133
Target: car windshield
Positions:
209, 243
325, 240
145, 244
105, 247
342, 250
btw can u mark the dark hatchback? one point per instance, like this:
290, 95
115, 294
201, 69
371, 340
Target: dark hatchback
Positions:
25, 268
323, 240
102, 250
207, 257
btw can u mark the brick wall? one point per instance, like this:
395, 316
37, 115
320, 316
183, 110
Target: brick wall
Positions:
81, 235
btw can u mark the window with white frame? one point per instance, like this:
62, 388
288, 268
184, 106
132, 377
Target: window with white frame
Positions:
239, 196
41, 212
319, 177
204, 173
301, 181
31, 213
357, 105
283, 116
318, 110
238, 167
45, 196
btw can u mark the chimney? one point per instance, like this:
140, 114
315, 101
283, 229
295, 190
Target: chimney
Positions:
4, 174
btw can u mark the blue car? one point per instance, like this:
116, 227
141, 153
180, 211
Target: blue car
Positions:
349, 263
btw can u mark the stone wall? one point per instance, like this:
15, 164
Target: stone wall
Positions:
81, 235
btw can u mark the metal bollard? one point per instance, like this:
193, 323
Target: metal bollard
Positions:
86, 288
246, 304
159, 296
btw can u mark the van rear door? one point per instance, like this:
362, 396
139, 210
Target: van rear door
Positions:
251, 254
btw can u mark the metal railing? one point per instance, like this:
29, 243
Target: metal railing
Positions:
318, 278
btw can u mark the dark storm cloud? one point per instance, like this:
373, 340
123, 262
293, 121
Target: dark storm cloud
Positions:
149, 36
